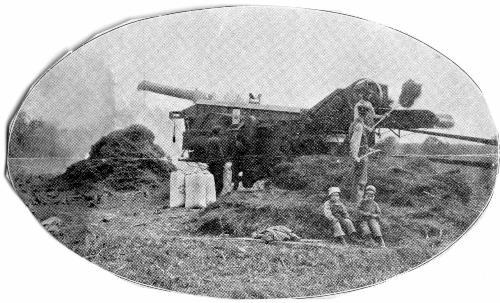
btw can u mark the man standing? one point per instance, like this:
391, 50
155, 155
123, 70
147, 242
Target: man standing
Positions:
335, 211
359, 134
370, 216
239, 153
215, 158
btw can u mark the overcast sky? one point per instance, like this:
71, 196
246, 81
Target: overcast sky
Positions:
292, 56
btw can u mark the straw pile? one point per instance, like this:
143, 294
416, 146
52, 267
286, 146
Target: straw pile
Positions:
124, 160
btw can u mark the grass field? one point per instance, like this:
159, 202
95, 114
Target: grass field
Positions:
154, 246
202, 251
236, 269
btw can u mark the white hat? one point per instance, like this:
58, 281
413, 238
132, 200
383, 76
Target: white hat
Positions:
370, 188
333, 190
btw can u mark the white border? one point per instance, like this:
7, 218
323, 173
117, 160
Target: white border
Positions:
36, 267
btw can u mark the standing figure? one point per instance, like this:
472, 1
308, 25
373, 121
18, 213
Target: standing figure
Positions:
359, 134
336, 212
215, 158
370, 216
369, 118
239, 153
364, 100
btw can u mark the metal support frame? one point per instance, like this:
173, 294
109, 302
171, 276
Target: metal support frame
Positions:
398, 134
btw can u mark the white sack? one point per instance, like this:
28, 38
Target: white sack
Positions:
196, 191
209, 181
227, 179
177, 189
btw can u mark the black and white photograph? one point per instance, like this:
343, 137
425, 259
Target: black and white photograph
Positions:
254, 152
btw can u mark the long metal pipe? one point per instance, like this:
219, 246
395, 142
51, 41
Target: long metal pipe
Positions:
193, 95
459, 137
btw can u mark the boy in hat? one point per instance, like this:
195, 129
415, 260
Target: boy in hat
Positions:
370, 216
337, 213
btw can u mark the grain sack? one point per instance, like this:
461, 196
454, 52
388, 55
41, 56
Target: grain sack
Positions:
177, 189
209, 182
227, 178
196, 190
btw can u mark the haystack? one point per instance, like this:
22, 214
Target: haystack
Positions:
124, 160
417, 201
402, 184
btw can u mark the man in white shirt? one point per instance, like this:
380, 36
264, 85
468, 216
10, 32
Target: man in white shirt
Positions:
335, 211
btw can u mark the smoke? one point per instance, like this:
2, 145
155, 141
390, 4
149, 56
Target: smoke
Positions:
75, 103
410, 91
156, 118
36, 138
78, 102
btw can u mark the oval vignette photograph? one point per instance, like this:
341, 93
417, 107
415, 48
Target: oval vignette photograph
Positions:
254, 152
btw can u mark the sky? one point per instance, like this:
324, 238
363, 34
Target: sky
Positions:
291, 56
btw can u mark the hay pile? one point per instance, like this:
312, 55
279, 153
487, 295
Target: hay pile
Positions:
240, 214
124, 160
404, 183
418, 203
414, 182
310, 173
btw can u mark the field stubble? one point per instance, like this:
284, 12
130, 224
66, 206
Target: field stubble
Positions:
138, 238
